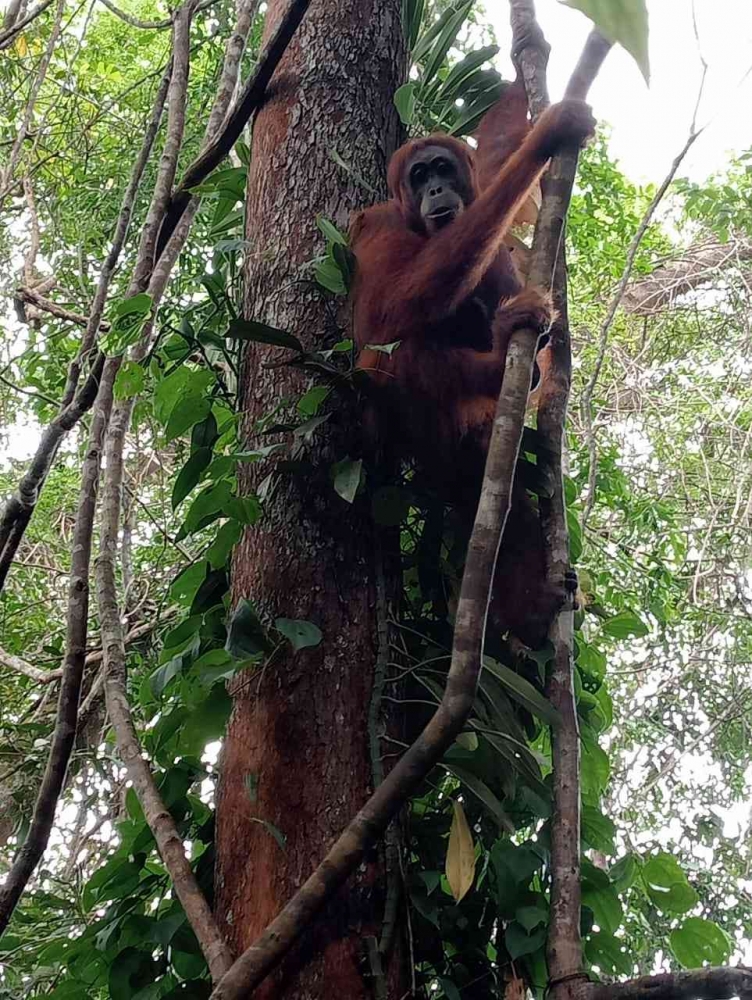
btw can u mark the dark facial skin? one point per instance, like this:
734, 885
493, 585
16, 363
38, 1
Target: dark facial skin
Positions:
437, 186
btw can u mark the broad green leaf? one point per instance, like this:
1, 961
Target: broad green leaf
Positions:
186, 412
603, 900
596, 769
624, 872
131, 970
624, 624
404, 101
598, 830
667, 884
300, 633
309, 403
190, 474
130, 380
329, 276
206, 722
205, 433
226, 538
136, 305
622, 21
533, 914
183, 588
330, 231
699, 942
346, 477
608, 953
518, 942
261, 333
460, 859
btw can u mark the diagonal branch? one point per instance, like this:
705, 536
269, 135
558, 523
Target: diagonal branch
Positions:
250, 99
7, 37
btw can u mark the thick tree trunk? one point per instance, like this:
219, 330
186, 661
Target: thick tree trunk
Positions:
296, 754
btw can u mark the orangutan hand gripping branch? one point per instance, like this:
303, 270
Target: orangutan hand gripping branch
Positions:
433, 273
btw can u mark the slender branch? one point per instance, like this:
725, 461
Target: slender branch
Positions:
548, 269
8, 37
63, 737
135, 22
250, 99
161, 823
693, 984
21, 666
19, 508
32, 296
6, 176
586, 405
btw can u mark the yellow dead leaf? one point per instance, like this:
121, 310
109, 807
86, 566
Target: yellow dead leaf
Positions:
21, 46
460, 860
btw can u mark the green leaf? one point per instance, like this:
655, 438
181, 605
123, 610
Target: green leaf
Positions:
330, 230
164, 674
206, 722
329, 276
300, 633
404, 101
245, 633
471, 115
412, 18
205, 433
622, 21
533, 914
225, 540
596, 769
698, 942
186, 412
309, 403
483, 792
131, 970
130, 380
136, 305
608, 953
518, 942
624, 624
184, 586
601, 896
261, 333
624, 872
445, 40
522, 691
667, 884
598, 831
190, 474
344, 260
452, 86
346, 478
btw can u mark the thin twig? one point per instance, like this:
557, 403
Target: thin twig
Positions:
7, 37
586, 406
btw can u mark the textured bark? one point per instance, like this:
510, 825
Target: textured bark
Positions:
299, 733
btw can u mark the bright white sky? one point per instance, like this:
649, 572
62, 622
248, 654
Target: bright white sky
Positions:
650, 125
